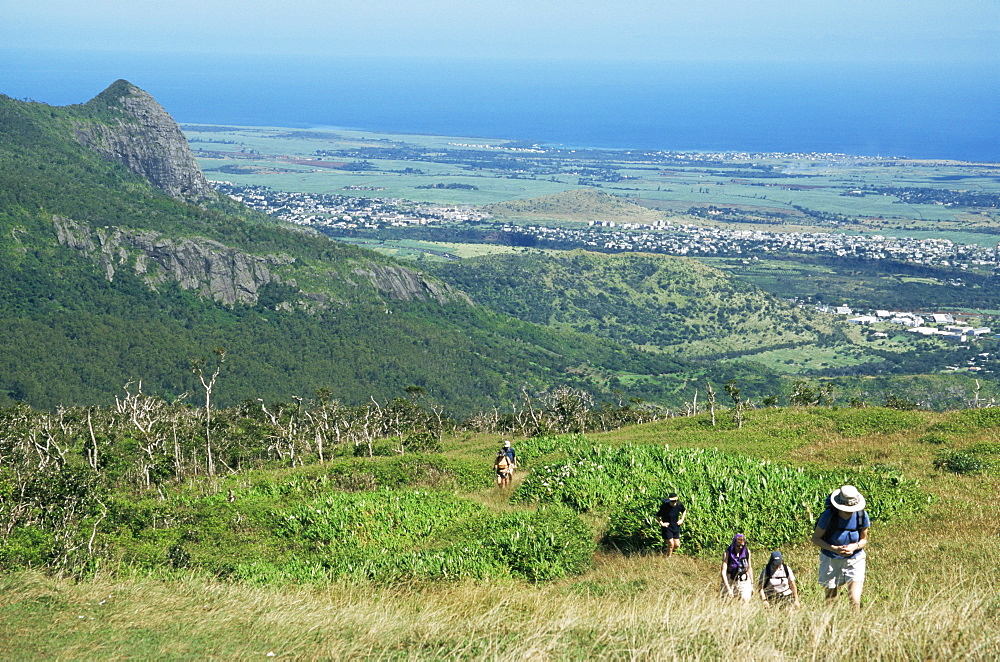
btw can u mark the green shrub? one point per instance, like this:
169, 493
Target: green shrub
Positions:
959, 462
550, 543
933, 438
985, 418
395, 535
724, 493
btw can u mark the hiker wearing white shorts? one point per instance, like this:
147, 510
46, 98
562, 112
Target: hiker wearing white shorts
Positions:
736, 570
842, 534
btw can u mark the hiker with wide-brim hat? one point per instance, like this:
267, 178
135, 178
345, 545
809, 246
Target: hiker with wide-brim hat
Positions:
841, 534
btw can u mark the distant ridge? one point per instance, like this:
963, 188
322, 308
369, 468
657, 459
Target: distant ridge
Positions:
657, 302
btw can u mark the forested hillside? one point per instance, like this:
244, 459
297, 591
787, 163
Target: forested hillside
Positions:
109, 279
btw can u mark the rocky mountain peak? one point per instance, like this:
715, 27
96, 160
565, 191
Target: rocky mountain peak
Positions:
130, 127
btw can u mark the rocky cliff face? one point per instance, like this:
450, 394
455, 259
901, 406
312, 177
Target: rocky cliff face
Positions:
212, 269
132, 128
405, 285
228, 275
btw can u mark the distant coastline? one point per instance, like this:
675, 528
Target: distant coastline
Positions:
923, 112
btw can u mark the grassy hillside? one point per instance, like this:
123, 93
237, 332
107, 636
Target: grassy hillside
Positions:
300, 574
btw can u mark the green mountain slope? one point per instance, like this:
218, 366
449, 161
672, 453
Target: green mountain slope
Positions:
110, 279
650, 301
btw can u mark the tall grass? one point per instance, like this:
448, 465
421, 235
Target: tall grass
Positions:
933, 590
626, 609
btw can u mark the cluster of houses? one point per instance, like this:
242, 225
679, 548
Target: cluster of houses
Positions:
918, 323
344, 211
688, 239
349, 212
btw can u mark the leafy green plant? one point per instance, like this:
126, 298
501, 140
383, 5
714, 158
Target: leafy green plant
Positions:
724, 493
959, 462
980, 419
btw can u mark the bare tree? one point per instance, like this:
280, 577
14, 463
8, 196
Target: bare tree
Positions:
198, 368
711, 400
739, 405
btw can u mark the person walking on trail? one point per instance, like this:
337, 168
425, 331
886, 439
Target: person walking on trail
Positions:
777, 583
505, 463
842, 534
670, 516
736, 570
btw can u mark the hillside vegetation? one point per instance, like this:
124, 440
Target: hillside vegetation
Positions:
420, 556
110, 280
649, 301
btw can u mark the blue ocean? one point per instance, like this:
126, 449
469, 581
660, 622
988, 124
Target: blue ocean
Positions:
922, 110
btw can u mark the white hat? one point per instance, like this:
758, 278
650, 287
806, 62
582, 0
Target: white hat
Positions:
847, 499
506, 444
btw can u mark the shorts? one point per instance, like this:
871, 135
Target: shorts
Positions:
742, 589
671, 531
840, 571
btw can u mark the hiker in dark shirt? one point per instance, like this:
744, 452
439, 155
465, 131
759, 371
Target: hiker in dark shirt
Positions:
670, 516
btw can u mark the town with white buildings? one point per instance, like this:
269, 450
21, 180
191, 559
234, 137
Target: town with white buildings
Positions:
346, 212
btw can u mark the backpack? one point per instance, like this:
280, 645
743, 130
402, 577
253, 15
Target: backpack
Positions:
839, 524
741, 563
502, 462
769, 572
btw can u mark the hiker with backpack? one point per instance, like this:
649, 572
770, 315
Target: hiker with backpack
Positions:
505, 463
736, 570
842, 534
777, 583
670, 516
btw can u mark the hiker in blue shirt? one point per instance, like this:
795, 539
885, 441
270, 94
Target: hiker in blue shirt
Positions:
842, 534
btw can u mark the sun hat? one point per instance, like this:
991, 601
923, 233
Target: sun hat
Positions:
672, 496
847, 499
506, 444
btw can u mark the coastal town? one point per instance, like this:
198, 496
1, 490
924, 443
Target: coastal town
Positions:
344, 211
349, 213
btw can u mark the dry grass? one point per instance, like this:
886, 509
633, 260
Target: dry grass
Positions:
634, 608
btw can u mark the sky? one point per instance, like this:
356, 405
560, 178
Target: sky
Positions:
943, 31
